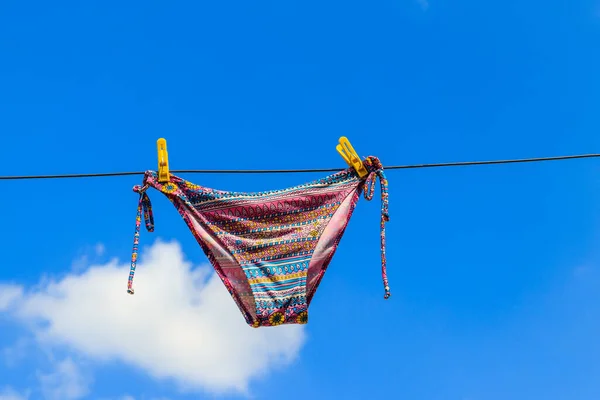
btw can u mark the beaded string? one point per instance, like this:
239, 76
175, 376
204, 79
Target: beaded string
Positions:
376, 170
144, 206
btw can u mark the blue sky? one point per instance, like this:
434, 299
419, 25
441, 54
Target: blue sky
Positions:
494, 270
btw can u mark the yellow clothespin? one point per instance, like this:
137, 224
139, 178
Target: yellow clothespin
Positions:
163, 161
349, 155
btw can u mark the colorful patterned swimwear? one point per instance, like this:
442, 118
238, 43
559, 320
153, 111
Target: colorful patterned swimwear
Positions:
270, 249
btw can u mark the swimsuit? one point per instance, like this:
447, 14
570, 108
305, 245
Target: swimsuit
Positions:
270, 249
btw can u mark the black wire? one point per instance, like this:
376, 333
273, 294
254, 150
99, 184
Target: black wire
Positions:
275, 171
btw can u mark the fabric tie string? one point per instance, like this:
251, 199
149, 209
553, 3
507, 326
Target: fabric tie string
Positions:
145, 207
376, 171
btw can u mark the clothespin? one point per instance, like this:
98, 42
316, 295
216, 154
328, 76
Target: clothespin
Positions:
349, 155
163, 161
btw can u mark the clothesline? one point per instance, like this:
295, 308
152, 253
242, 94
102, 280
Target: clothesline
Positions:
270, 171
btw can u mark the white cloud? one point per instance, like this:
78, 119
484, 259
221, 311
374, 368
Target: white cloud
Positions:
9, 294
65, 383
181, 324
8, 393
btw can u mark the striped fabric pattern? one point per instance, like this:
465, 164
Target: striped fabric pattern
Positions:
269, 248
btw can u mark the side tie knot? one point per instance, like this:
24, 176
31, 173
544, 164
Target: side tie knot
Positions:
376, 171
145, 207
140, 188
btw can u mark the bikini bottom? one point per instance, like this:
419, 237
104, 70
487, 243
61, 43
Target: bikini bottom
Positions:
270, 249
